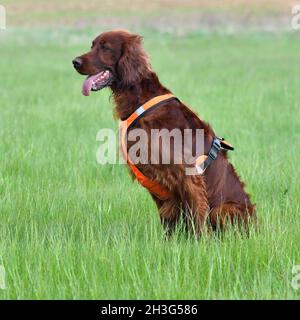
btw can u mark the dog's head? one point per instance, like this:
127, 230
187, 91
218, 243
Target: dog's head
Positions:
116, 58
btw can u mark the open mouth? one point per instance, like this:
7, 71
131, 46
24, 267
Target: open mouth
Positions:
96, 82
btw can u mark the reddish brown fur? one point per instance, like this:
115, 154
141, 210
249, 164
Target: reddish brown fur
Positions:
214, 197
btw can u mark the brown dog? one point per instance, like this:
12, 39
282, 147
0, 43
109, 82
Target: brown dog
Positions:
118, 60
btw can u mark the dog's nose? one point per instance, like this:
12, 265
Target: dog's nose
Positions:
77, 62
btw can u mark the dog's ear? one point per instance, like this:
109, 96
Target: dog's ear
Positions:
134, 62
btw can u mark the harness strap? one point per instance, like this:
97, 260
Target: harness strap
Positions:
147, 105
201, 163
204, 161
153, 186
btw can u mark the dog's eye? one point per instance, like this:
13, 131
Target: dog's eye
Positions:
104, 47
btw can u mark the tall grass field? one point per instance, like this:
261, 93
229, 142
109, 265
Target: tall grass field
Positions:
73, 229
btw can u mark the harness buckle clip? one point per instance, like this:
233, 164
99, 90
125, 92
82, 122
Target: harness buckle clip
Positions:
216, 146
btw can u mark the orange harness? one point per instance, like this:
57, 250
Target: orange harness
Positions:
202, 162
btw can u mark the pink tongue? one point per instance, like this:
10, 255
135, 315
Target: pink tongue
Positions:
88, 82
87, 86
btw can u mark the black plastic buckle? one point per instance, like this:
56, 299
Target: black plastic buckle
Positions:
216, 146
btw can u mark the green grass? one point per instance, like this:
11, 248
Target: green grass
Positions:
72, 229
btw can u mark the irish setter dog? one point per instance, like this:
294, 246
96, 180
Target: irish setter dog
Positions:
118, 60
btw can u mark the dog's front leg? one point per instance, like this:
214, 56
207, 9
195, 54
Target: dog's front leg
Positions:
192, 191
169, 213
